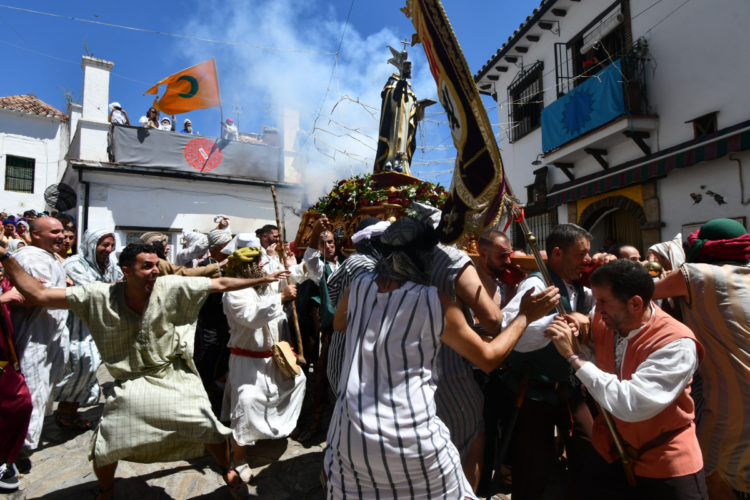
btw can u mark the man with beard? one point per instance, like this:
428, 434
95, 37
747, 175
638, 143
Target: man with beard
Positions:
42, 336
144, 328
494, 267
551, 399
187, 127
644, 360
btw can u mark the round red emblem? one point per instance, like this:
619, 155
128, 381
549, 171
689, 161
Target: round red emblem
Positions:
203, 154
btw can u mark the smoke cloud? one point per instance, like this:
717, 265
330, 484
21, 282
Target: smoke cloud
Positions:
268, 81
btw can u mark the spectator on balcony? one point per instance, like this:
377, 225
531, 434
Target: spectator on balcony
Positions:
153, 118
187, 127
230, 132
143, 121
117, 114
166, 124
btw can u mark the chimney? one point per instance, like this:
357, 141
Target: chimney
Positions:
290, 169
74, 112
270, 136
93, 123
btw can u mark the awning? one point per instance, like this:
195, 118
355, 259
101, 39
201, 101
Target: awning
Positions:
706, 148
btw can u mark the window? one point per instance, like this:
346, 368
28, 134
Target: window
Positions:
704, 125
19, 174
540, 226
526, 95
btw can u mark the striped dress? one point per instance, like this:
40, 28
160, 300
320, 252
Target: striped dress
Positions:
717, 310
385, 440
459, 399
338, 282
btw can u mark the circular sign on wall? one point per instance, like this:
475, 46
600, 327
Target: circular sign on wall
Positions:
203, 155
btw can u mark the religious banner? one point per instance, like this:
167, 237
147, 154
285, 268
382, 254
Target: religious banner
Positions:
194, 88
478, 185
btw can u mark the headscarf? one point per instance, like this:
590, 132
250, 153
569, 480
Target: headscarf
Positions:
719, 240
218, 237
196, 245
408, 248
367, 238
427, 214
671, 250
113, 106
143, 121
151, 237
23, 222
9, 221
13, 244
165, 127
239, 258
83, 268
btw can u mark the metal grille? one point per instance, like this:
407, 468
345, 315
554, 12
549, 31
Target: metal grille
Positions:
540, 226
563, 69
525, 93
19, 174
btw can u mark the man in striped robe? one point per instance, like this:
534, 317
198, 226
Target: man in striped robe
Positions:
713, 287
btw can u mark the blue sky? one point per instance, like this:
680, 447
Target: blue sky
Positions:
266, 82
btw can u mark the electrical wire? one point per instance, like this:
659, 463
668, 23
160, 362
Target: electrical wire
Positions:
169, 34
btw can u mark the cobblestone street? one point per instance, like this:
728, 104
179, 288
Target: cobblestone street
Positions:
281, 469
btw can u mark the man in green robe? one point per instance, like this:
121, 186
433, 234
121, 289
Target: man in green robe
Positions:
144, 329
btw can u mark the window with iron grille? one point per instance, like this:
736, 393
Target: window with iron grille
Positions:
540, 226
525, 94
19, 174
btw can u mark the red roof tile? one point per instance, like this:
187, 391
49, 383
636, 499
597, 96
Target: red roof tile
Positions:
30, 104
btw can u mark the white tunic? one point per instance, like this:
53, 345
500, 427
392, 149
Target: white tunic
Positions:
385, 440
258, 399
42, 338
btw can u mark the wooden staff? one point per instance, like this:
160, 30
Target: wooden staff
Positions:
281, 250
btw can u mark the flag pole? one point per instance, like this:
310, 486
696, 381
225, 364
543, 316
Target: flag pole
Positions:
221, 109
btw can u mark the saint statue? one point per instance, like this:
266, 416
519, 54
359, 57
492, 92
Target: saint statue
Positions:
399, 116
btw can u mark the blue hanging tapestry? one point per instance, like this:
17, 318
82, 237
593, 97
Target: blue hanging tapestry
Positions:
595, 102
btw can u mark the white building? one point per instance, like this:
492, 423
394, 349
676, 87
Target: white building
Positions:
134, 180
656, 150
34, 140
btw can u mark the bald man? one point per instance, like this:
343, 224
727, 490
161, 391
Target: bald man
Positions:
625, 251
41, 334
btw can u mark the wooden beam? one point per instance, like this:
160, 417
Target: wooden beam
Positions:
532, 38
597, 154
511, 59
494, 78
638, 137
522, 50
502, 69
565, 167
559, 12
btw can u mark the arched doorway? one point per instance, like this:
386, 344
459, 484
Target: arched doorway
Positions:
617, 218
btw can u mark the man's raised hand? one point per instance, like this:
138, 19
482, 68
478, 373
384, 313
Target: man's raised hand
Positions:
537, 306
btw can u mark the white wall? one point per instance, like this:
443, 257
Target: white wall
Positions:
31, 136
139, 201
700, 64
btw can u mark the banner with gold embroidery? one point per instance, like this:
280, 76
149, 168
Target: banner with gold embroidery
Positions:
478, 185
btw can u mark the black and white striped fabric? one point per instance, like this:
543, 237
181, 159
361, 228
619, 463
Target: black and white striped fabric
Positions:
459, 399
385, 440
338, 282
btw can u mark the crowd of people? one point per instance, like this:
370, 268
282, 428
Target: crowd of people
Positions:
151, 120
447, 377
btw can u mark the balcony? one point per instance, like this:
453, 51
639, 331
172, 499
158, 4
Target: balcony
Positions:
194, 154
603, 111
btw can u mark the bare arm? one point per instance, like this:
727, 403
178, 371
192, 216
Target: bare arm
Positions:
34, 292
673, 285
220, 285
472, 292
339, 321
459, 336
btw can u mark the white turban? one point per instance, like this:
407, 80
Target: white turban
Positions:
196, 244
143, 121
671, 250
113, 106
218, 237
370, 231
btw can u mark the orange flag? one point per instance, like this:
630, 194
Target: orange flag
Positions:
194, 88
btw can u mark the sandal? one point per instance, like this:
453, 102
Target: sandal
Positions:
315, 427
240, 491
104, 491
68, 418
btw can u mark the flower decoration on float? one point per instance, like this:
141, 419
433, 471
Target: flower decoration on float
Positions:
350, 195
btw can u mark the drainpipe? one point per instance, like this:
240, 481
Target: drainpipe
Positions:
742, 184
85, 201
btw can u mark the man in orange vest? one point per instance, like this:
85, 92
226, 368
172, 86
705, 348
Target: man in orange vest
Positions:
640, 373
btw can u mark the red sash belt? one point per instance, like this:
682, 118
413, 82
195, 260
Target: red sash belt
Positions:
250, 354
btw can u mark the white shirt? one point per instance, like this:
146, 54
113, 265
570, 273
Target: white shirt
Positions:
315, 264
655, 384
533, 338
